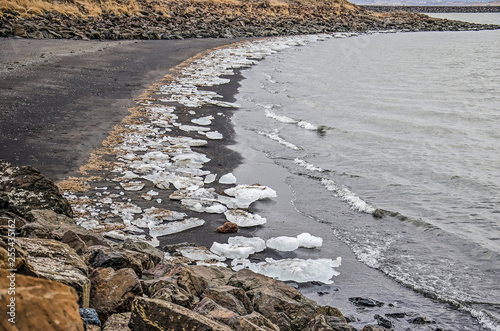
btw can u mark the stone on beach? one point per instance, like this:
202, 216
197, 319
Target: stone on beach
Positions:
228, 227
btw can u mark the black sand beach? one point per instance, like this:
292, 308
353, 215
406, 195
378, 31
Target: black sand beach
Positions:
60, 98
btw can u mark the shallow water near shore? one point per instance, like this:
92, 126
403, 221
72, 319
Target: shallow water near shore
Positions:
405, 123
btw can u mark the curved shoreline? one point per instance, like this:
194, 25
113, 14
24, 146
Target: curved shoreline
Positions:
60, 98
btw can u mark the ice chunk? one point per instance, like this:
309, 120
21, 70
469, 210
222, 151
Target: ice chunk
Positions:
174, 227
297, 270
306, 240
132, 186
207, 120
214, 135
227, 179
195, 157
244, 219
257, 243
193, 128
216, 208
247, 194
283, 244
199, 254
210, 178
231, 251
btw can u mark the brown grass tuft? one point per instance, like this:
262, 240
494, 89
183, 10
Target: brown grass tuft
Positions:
76, 184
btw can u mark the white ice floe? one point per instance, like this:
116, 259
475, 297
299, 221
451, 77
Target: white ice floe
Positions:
174, 227
193, 128
214, 135
244, 219
346, 195
132, 186
257, 243
232, 251
210, 178
227, 179
207, 120
245, 195
297, 270
199, 254
306, 240
283, 243
216, 208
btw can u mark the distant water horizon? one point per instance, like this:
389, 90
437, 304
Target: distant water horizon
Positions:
406, 123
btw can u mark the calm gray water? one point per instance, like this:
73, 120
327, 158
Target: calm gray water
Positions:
408, 123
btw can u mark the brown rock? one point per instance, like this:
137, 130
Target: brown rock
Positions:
48, 217
154, 254
40, 304
372, 328
56, 261
27, 189
113, 291
159, 315
71, 239
166, 289
117, 322
230, 297
228, 227
211, 309
117, 258
18, 30
328, 323
256, 321
280, 303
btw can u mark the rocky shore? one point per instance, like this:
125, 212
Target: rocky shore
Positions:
434, 9
195, 19
64, 277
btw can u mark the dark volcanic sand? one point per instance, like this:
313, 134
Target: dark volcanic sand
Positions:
60, 98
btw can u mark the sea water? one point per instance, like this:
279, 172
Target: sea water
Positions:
404, 126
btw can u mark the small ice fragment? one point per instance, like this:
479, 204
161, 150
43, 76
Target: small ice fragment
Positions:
214, 135
210, 178
174, 227
257, 243
283, 244
244, 219
199, 254
132, 186
207, 120
216, 208
231, 251
227, 179
193, 128
306, 240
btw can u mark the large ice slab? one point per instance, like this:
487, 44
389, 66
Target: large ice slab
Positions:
174, 227
199, 254
283, 243
257, 243
245, 195
297, 270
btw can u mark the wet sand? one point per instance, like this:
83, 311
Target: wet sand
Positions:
61, 98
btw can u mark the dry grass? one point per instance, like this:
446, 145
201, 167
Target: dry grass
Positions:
94, 8
76, 184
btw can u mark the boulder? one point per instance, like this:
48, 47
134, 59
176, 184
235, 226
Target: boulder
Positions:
56, 261
159, 315
117, 322
328, 323
154, 254
90, 317
74, 241
27, 189
40, 304
113, 291
216, 312
230, 297
117, 258
166, 288
256, 321
281, 304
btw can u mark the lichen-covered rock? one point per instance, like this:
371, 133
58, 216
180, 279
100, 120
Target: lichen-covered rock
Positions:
117, 322
328, 323
40, 304
113, 291
154, 254
211, 309
117, 258
230, 297
159, 315
56, 261
280, 303
26, 189
256, 321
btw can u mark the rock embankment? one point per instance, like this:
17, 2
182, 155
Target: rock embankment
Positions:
63, 277
434, 9
197, 19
